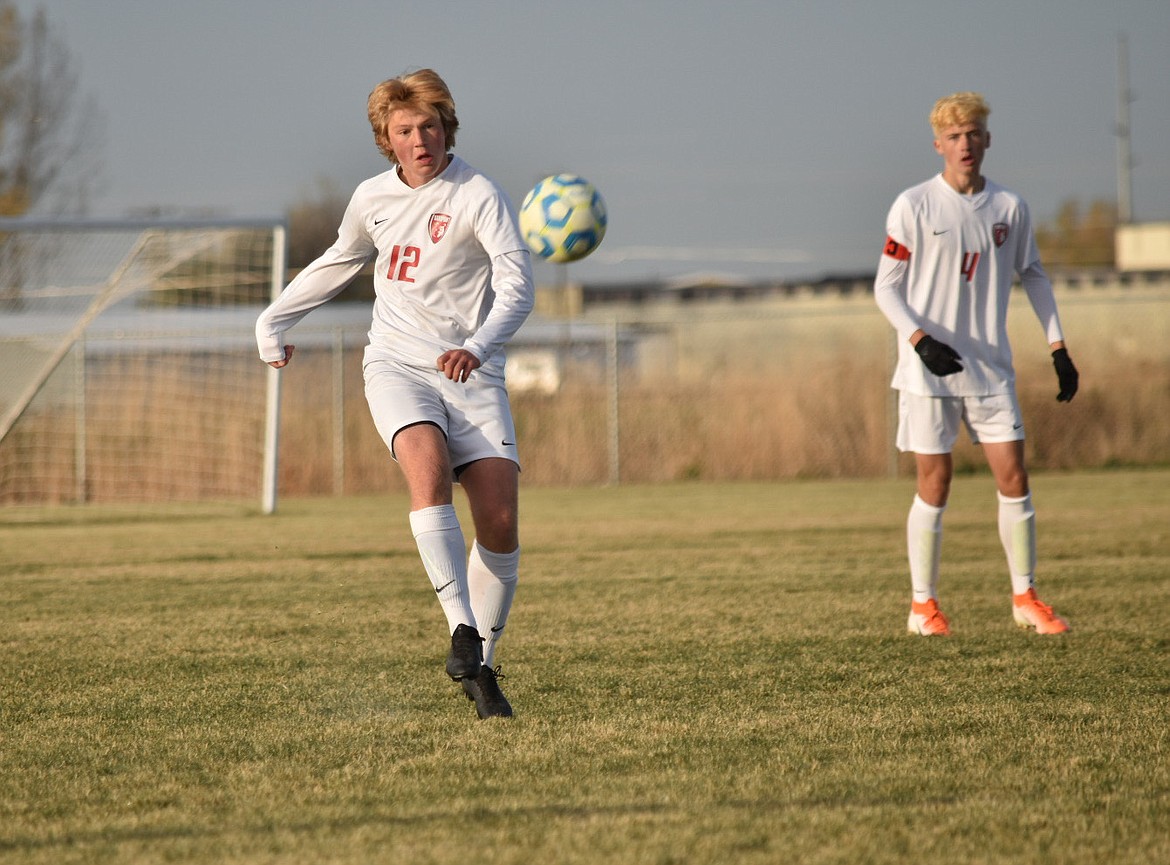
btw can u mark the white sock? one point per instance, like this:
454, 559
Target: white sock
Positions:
924, 545
1017, 532
491, 578
443, 551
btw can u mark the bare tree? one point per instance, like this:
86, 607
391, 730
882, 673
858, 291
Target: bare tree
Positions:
10, 42
1079, 236
49, 134
313, 221
48, 131
312, 229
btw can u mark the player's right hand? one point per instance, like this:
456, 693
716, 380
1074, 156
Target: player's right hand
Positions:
939, 357
288, 352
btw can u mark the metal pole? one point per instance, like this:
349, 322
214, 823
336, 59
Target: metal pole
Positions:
338, 411
892, 397
272, 406
80, 443
1124, 156
615, 453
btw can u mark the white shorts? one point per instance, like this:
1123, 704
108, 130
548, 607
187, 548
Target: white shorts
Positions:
474, 416
930, 424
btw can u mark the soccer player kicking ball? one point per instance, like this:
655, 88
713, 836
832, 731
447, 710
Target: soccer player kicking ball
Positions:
453, 283
955, 244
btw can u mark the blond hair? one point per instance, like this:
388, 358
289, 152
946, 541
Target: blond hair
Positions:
959, 109
421, 91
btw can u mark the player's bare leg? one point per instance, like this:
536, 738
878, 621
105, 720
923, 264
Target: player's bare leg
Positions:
421, 451
492, 487
1006, 461
934, 478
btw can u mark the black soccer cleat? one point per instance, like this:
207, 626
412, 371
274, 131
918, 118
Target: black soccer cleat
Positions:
484, 690
465, 659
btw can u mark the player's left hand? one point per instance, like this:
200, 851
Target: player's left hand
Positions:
1066, 373
458, 364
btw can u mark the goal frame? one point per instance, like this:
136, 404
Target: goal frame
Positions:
278, 271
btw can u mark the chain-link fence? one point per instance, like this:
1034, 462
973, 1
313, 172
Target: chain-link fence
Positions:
130, 375
793, 387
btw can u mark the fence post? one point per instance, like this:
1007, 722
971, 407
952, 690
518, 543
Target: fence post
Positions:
892, 397
272, 409
338, 411
80, 439
613, 358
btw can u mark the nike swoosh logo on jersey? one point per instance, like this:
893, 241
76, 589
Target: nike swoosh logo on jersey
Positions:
380, 221
936, 234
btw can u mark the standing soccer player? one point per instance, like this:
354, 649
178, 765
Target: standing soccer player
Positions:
954, 246
453, 283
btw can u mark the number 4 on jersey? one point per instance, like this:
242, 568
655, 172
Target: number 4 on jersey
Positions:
970, 262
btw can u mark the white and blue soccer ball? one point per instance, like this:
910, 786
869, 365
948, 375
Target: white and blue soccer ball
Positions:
563, 218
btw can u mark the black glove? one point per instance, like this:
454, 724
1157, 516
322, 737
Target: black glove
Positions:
1067, 373
939, 357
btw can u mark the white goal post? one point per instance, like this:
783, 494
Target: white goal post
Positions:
129, 364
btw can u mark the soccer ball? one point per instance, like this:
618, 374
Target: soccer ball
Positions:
563, 218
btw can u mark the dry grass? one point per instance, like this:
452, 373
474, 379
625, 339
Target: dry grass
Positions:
794, 389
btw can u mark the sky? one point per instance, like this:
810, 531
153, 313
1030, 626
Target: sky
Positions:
747, 139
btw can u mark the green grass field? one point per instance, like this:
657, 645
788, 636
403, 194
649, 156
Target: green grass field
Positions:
701, 674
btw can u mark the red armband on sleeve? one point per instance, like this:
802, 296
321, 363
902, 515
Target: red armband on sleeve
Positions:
896, 250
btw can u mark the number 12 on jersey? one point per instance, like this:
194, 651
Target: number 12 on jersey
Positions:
403, 259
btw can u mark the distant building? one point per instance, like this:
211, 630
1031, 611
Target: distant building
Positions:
568, 301
1143, 246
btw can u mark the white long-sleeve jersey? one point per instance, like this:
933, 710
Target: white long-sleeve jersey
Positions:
948, 268
451, 270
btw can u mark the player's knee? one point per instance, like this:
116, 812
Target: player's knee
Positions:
934, 485
935, 495
497, 530
1014, 484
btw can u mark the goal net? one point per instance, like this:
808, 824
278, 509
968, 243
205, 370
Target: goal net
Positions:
128, 357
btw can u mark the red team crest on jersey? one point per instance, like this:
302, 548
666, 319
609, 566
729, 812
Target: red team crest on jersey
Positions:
999, 233
438, 226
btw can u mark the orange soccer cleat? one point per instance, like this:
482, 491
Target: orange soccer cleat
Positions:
1030, 612
927, 620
